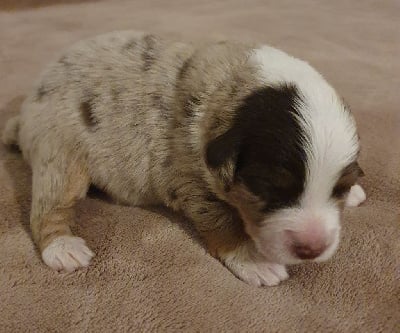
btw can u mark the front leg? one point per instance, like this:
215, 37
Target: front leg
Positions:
248, 265
225, 238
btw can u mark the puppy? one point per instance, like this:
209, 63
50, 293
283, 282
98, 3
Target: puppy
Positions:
249, 143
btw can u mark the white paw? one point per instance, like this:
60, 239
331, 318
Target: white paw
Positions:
67, 253
253, 269
356, 196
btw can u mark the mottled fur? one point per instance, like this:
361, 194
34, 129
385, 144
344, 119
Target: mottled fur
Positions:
133, 114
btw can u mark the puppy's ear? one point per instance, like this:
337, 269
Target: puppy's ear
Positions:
222, 153
222, 149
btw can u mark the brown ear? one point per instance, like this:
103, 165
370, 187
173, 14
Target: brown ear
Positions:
222, 149
221, 156
348, 178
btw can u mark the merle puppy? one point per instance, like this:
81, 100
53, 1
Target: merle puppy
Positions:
249, 143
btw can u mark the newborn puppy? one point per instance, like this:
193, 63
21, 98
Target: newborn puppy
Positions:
249, 143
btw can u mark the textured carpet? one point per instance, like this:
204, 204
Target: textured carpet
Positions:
150, 272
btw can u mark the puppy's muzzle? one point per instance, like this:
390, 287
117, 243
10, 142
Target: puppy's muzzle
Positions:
309, 243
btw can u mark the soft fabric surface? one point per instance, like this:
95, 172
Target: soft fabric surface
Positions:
150, 272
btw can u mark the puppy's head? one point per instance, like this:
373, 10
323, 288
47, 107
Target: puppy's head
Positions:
288, 160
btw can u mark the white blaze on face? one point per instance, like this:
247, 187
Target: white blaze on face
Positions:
331, 141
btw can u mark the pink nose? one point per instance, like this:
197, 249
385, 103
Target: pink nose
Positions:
308, 244
306, 251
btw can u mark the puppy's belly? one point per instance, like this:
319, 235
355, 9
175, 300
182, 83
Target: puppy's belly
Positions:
126, 176
132, 194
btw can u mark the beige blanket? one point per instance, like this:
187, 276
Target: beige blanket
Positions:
150, 272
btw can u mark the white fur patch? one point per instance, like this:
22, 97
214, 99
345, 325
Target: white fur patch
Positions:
356, 196
254, 270
270, 238
331, 144
67, 253
333, 141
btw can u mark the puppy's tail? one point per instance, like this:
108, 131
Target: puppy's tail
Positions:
10, 132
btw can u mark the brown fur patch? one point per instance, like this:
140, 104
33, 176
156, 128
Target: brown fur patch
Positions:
64, 60
87, 114
54, 224
248, 204
148, 56
116, 94
161, 105
54, 214
190, 105
225, 239
130, 45
172, 194
348, 178
185, 67
211, 197
41, 92
167, 162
